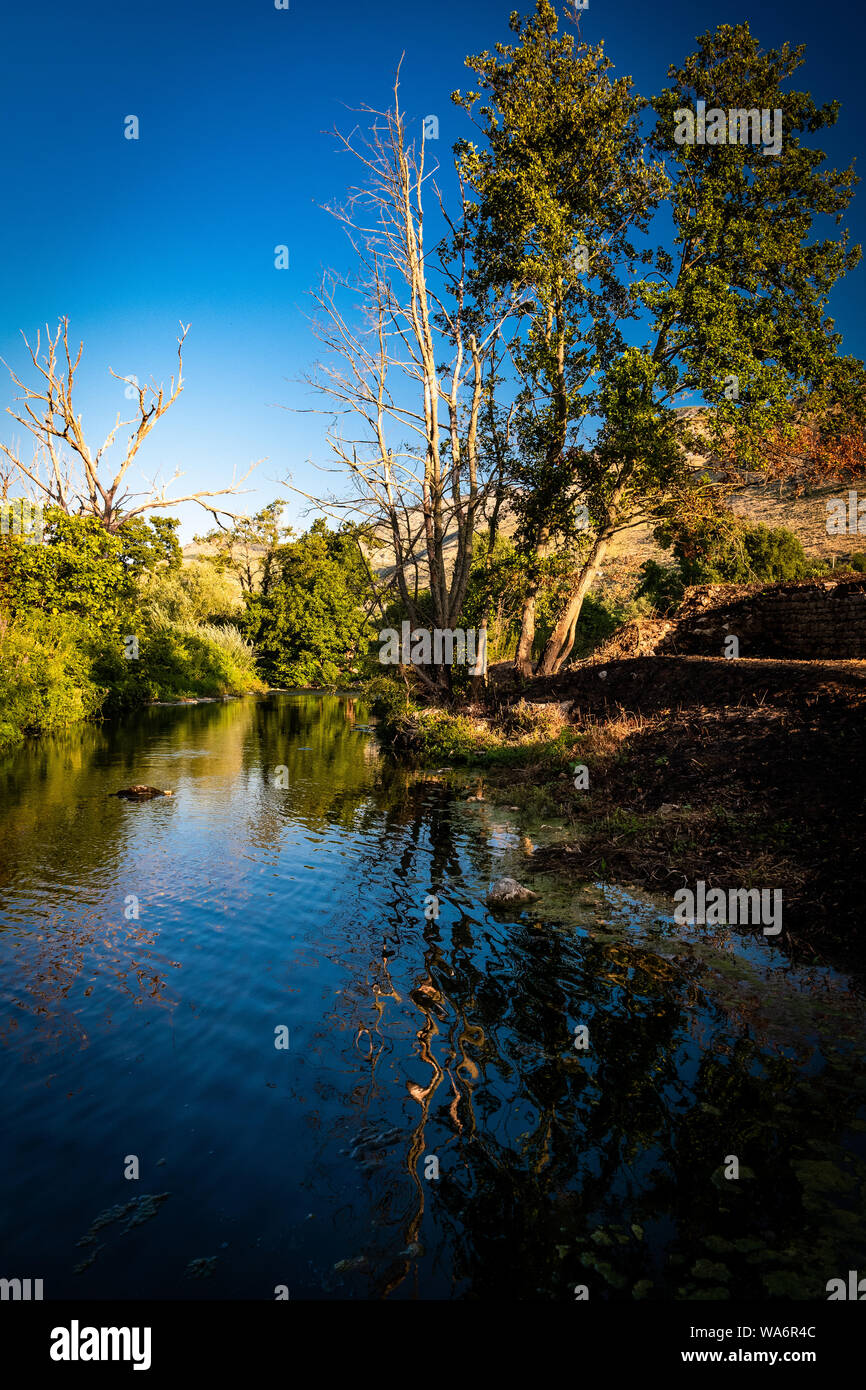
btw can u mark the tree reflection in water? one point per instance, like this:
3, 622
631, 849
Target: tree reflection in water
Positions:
412, 1039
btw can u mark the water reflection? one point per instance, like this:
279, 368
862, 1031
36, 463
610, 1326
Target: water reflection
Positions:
417, 1045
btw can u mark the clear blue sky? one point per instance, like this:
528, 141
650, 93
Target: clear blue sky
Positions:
235, 100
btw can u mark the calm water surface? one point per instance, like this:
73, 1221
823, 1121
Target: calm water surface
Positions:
150, 952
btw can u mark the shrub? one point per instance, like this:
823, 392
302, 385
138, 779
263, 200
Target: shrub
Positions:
775, 554
310, 626
715, 547
46, 682
70, 603
176, 661
720, 549
442, 736
387, 698
532, 722
662, 586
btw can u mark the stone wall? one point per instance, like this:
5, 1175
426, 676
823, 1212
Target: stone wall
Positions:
811, 620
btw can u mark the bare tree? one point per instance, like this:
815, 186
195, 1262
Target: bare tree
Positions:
407, 365
79, 485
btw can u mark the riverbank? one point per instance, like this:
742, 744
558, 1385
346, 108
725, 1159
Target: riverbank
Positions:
746, 774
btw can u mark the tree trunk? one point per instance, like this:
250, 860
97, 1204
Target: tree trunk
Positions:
561, 640
523, 660
478, 683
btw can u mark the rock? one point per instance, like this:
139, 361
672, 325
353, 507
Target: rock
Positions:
355, 1265
507, 891
141, 793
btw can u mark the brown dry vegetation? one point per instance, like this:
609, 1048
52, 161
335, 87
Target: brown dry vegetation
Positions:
743, 774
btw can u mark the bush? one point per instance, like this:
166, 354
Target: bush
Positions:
719, 549
662, 586
598, 619
46, 681
858, 562
199, 592
310, 628
71, 603
775, 555
439, 736
387, 698
177, 661
532, 722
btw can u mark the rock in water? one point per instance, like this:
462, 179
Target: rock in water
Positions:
507, 891
141, 793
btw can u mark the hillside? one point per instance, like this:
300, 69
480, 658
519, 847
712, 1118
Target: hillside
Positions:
758, 501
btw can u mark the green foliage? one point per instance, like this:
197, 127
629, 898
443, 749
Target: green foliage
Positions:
599, 618
388, 700
200, 592
717, 549
561, 187
82, 569
498, 583
858, 561
46, 681
176, 661
310, 628
442, 737
775, 554
662, 585
69, 604
750, 295
524, 735
739, 294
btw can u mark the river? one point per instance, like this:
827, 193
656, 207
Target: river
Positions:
244, 1057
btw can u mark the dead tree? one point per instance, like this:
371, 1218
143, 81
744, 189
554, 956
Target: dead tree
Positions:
407, 364
78, 482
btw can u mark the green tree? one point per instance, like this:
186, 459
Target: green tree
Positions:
561, 188
246, 547
311, 624
84, 570
736, 315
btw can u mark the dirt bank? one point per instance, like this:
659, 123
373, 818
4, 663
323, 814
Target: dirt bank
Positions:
740, 773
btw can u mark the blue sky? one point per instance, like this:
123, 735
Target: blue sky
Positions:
234, 101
